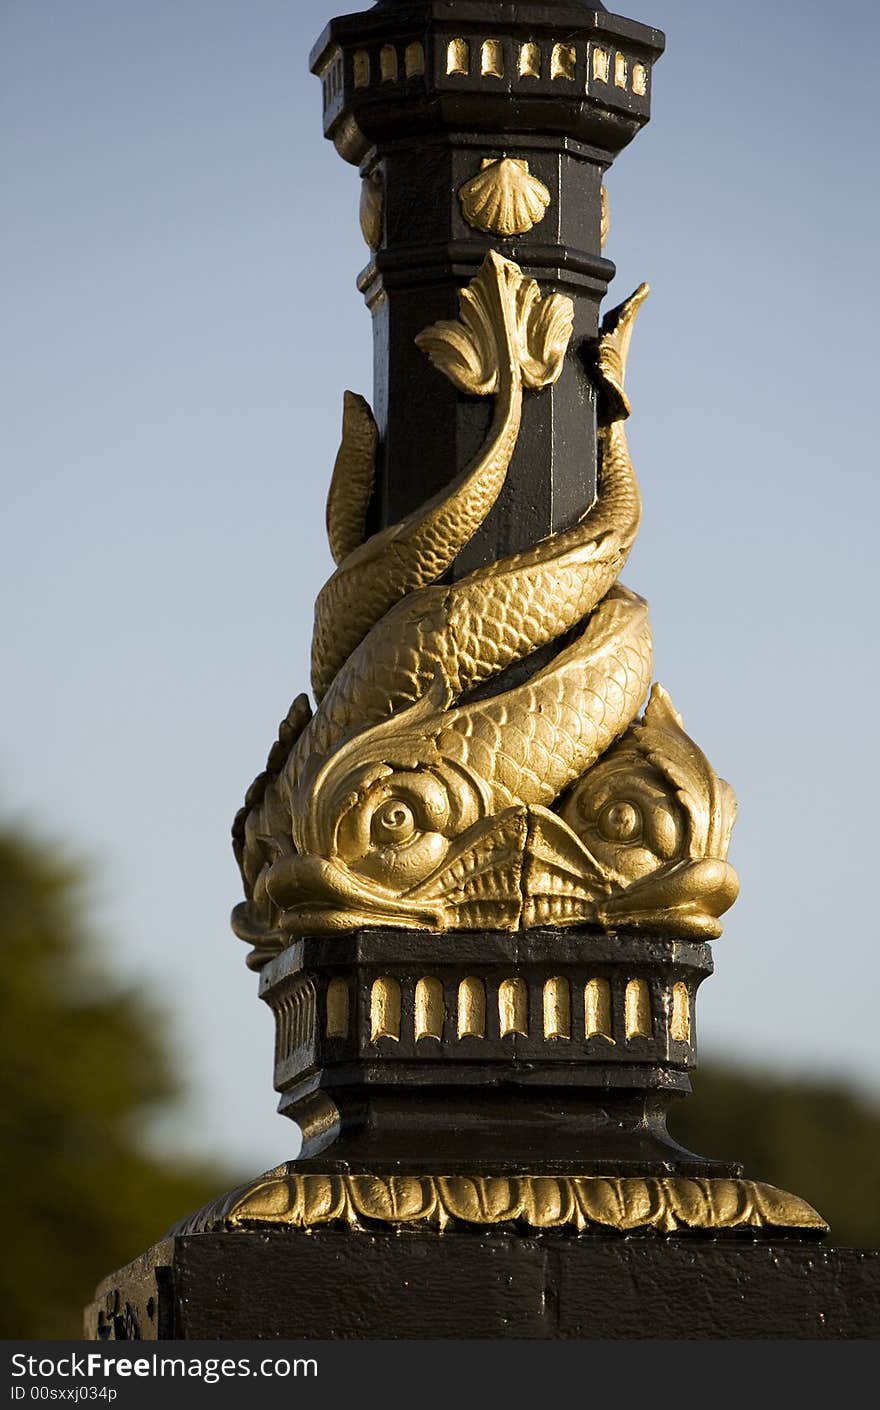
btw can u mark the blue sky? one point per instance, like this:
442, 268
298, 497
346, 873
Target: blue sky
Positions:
179, 251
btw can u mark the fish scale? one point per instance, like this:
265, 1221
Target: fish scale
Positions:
569, 709
412, 798
472, 630
401, 559
407, 556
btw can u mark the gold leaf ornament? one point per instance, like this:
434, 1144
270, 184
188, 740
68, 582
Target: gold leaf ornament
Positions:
544, 328
668, 1205
402, 1199
504, 198
536, 331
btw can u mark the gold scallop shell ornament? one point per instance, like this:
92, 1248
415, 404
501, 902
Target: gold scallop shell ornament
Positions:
504, 198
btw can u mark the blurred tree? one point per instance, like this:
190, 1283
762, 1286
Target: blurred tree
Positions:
816, 1139
82, 1063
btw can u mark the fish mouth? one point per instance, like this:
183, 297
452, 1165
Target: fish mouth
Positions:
687, 897
563, 883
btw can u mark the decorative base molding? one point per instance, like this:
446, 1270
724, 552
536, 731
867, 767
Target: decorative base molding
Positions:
583, 1204
552, 1052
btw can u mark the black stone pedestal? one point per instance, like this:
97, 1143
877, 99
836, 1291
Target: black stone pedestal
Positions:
329, 1283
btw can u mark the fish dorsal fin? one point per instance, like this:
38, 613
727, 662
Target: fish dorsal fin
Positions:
289, 731
661, 738
614, 346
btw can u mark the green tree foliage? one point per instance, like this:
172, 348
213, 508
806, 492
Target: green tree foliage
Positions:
82, 1066
815, 1139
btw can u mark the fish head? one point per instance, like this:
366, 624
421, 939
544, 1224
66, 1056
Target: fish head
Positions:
395, 868
627, 815
397, 828
655, 815
377, 825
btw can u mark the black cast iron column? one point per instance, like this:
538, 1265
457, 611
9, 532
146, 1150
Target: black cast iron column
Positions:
418, 94
422, 96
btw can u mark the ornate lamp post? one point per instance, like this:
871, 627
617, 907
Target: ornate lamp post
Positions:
481, 874
474, 658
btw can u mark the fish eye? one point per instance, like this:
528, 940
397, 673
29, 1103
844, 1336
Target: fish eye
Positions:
620, 822
393, 823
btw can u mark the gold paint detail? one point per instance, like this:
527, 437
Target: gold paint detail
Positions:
414, 59
588, 1203
563, 61
605, 218
388, 64
620, 70
530, 61
385, 1010
338, 1003
430, 1009
414, 800
637, 1009
388, 69
640, 80
348, 139
557, 1008
598, 1018
492, 59
472, 1008
372, 210
601, 64
504, 198
458, 57
361, 65
513, 1008
295, 1018
680, 1024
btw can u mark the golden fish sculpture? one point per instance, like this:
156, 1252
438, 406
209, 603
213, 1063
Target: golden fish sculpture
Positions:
410, 798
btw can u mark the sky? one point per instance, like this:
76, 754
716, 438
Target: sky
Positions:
179, 251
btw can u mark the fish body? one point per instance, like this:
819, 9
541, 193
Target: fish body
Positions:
416, 797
